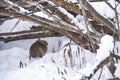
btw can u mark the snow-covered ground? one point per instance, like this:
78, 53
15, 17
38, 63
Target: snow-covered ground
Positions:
56, 64
53, 66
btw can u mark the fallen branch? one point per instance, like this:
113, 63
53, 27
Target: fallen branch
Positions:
91, 12
98, 17
103, 29
103, 63
76, 36
33, 30
29, 36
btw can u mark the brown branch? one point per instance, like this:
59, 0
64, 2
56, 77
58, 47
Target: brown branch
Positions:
76, 36
103, 29
116, 78
74, 8
55, 11
104, 62
33, 30
100, 65
98, 17
116, 56
29, 36
33, 6
96, 0
91, 12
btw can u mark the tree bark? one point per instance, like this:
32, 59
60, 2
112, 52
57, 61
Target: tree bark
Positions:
76, 36
15, 37
103, 63
91, 13
98, 17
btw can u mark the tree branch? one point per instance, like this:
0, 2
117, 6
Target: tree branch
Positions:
70, 32
98, 17
29, 36
103, 63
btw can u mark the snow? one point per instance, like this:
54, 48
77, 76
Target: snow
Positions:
22, 10
87, 69
106, 75
39, 69
104, 9
42, 14
57, 64
78, 21
71, 1
11, 23
104, 50
52, 65
117, 72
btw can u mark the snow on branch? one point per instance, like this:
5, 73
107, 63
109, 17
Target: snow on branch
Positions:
103, 63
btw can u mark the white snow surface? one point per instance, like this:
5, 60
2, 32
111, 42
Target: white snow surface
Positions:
103, 9
117, 72
56, 64
51, 66
8, 25
104, 50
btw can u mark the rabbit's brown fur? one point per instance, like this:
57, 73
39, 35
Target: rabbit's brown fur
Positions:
38, 49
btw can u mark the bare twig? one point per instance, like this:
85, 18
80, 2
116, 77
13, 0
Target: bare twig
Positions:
86, 23
104, 62
98, 17
116, 14
100, 73
15, 25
